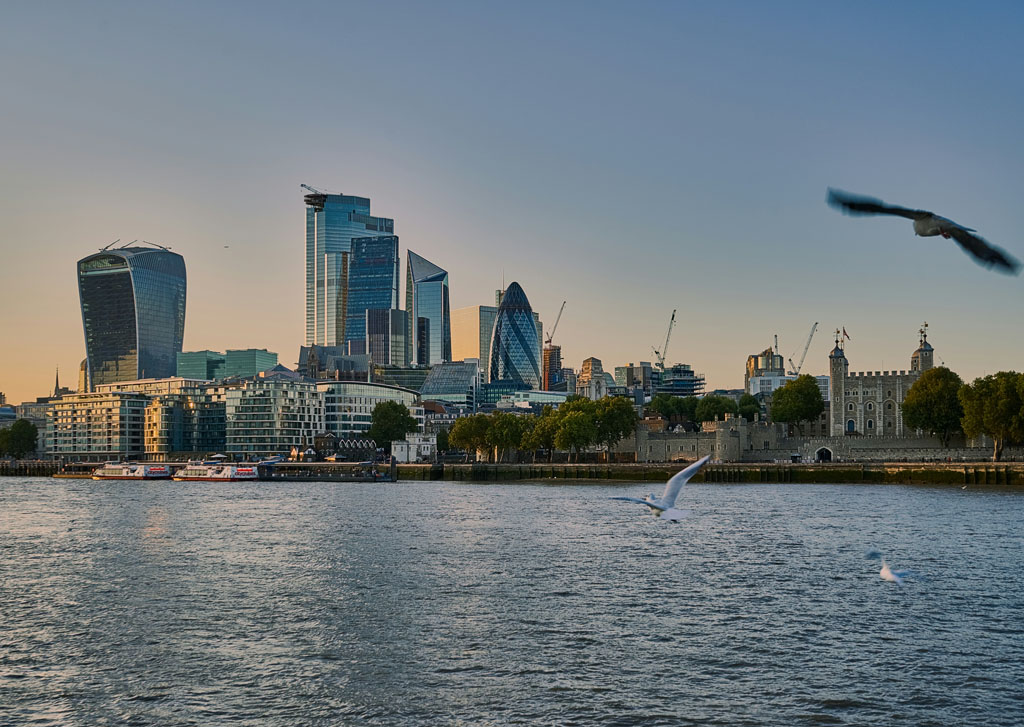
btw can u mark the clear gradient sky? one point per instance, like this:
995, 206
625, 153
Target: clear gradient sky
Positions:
631, 158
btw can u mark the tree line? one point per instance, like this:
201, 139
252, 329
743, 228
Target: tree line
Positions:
940, 403
18, 439
576, 425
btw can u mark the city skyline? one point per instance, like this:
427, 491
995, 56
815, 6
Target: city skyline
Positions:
702, 190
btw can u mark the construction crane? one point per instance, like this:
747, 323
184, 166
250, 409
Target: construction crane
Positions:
796, 369
551, 335
660, 355
314, 190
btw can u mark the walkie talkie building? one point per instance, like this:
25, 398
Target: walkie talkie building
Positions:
133, 313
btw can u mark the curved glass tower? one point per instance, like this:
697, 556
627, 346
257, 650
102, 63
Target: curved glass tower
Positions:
514, 345
133, 313
429, 311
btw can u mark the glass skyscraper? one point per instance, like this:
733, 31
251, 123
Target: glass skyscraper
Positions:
133, 313
333, 295
386, 336
372, 281
514, 350
427, 305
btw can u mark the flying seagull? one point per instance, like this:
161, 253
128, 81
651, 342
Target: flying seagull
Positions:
665, 507
928, 224
887, 573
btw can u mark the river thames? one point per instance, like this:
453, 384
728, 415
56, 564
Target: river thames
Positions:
437, 603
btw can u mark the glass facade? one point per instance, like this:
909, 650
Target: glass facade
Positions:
454, 382
514, 351
348, 405
204, 365
246, 362
386, 336
133, 313
426, 304
333, 221
372, 281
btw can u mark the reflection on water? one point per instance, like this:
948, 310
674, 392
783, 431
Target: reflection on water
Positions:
443, 603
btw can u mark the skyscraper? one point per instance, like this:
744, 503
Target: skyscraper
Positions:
133, 312
426, 304
333, 264
372, 281
387, 336
514, 348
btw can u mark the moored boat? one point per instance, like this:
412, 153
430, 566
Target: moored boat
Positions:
216, 472
131, 471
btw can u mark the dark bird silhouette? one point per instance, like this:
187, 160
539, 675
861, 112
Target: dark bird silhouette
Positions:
928, 224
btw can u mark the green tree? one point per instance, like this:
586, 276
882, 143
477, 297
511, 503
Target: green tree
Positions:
505, 433
933, 404
470, 433
391, 422
442, 440
576, 432
616, 418
713, 407
670, 406
542, 435
19, 439
798, 401
993, 406
748, 407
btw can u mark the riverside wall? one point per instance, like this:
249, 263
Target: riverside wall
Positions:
960, 473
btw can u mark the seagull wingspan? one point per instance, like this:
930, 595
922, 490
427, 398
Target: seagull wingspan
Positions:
983, 252
675, 484
632, 499
853, 204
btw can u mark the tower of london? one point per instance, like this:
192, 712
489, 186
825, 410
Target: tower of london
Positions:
870, 402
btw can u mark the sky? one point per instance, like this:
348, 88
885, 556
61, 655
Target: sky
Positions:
629, 158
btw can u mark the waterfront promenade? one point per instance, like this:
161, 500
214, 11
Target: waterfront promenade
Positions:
903, 473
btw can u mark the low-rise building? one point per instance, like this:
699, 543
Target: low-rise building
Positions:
98, 426
415, 448
272, 413
348, 405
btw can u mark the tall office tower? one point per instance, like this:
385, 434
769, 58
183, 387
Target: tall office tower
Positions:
387, 336
333, 221
514, 349
372, 281
551, 373
427, 306
133, 313
472, 330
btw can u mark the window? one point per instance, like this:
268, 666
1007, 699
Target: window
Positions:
871, 424
889, 406
870, 406
850, 406
851, 426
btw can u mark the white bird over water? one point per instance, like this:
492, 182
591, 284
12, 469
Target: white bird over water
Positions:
928, 224
887, 573
665, 506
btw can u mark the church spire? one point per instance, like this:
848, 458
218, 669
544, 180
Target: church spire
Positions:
56, 383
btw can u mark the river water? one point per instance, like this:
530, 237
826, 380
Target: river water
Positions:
458, 604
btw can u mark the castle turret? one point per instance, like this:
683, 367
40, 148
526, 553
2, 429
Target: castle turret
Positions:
924, 357
838, 368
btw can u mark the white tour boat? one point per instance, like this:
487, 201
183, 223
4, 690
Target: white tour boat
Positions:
131, 471
216, 472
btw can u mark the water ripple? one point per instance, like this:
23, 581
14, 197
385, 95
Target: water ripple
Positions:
453, 604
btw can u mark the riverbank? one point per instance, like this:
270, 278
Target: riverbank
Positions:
903, 473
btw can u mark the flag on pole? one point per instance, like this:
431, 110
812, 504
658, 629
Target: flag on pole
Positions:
845, 334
